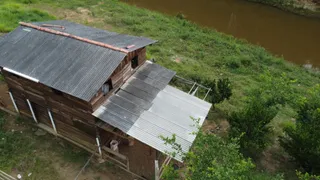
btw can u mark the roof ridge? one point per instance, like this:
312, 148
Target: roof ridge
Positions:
73, 36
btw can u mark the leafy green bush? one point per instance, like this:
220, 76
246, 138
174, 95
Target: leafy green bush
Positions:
303, 140
251, 124
170, 173
213, 158
221, 90
307, 176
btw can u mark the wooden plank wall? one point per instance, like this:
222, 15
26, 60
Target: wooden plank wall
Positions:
120, 75
72, 116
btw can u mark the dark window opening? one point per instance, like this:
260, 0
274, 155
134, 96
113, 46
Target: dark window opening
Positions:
57, 92
134, 62
106, 87
84, 127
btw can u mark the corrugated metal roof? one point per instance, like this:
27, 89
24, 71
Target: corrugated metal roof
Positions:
147, 110
111, 38
66, 64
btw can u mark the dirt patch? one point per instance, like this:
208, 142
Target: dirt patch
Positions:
80, 15
93, 171
274, 160
220, 128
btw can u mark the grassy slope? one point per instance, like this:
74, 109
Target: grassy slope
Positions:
205, 54
11, 13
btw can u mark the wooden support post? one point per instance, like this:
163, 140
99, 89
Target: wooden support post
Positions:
32, 112
14, 103
52, 122
99, 147
156, 170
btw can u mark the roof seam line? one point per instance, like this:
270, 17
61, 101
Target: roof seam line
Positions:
73, 36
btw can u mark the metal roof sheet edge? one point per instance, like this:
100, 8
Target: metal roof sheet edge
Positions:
73, 36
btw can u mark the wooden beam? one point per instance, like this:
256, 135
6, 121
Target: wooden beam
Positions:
156, 170
73, 36
123, 157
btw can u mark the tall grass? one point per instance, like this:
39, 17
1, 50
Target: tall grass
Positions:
12, 13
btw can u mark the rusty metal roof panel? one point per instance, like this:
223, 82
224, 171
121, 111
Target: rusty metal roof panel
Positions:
111, 38
168, 110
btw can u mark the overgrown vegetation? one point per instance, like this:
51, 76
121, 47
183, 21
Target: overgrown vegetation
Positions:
302, 139
12, 13
252, 122
220, 90
24, 153
216, 159
303, 7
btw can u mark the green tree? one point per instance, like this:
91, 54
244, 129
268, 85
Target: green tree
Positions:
220, 90
302, 140
251, 123
307, 176
213, 158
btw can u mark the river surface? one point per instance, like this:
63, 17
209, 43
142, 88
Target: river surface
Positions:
294, 37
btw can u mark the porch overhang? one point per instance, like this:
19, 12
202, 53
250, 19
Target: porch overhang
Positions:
147, 108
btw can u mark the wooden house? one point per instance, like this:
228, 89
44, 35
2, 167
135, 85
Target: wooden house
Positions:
95, 89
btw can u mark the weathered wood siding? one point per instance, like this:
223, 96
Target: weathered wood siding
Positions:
120, 75
72, 116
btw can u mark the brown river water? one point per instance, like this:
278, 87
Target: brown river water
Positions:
294, 37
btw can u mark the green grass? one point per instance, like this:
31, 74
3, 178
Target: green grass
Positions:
205, 53
11, 13
22, 152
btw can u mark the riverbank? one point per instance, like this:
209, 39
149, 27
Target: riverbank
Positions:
308, 8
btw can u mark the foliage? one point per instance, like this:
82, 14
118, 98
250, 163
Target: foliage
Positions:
276, 90
302, 141
23, 152
307, 176
170, 173
221, 90
214, 158
12, 13
252, 125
